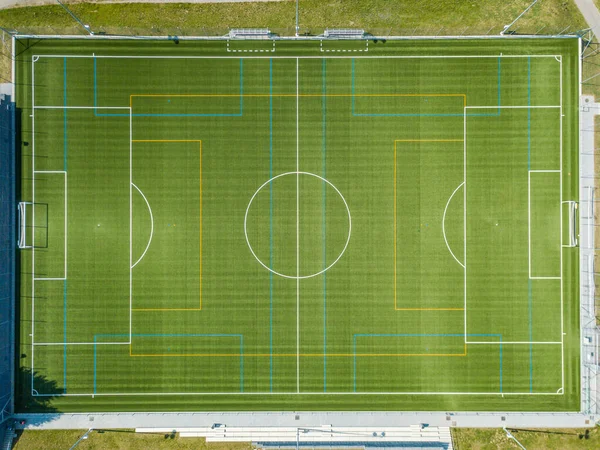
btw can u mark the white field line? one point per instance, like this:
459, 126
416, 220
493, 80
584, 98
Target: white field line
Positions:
54, 172
544, 278
33, 59
562, 326
151, 226
237, 393
366, 49
529, 223
271, 50
297, 228
444, 225
515, 107
515, 343
296, 57
294, 277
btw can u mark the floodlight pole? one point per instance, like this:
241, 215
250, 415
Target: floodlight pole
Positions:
7, 31
82, 438
506, 27
85, 27
510, 436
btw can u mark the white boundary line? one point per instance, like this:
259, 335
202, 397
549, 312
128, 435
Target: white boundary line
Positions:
298, 57
237, 393
33, 60
33, 344
444, 225
562, 319
297, 227
514, 343
151, 226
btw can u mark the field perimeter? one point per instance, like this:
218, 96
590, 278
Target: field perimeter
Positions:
299, 225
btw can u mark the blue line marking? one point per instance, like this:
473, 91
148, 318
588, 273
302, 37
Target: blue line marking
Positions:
530, 340
354, 113
239, 114
499, 75
95, 87
271, 224
354, 353
352, 90
65, 281
324, 164
355, 336
240, 336
529, 168
95, 365
241, 86
65, 335
241, 363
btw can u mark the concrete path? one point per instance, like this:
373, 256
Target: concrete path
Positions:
20, 3
306, 420
590, 14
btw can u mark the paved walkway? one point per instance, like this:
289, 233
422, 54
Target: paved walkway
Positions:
19, 3
306, 420
590, 14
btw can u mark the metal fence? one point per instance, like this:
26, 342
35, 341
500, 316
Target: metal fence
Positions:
7, 254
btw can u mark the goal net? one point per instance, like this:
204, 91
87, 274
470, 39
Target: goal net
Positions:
32, 225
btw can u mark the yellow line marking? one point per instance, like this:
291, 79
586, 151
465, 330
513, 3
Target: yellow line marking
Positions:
396, 227
200, 226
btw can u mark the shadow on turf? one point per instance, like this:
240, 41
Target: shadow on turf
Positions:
27, 403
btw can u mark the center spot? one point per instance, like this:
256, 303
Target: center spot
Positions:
297, 225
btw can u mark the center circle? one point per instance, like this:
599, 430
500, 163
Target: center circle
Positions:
297, 225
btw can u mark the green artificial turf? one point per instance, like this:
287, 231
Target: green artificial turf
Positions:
337, 225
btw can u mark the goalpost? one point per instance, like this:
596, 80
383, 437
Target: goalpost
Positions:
27, 229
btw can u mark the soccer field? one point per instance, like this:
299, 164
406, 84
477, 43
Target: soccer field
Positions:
309, 225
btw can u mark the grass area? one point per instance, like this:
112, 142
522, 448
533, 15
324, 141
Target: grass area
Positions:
122, 439
463, 438
404, 17
559, 439
383, 17
162, 244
